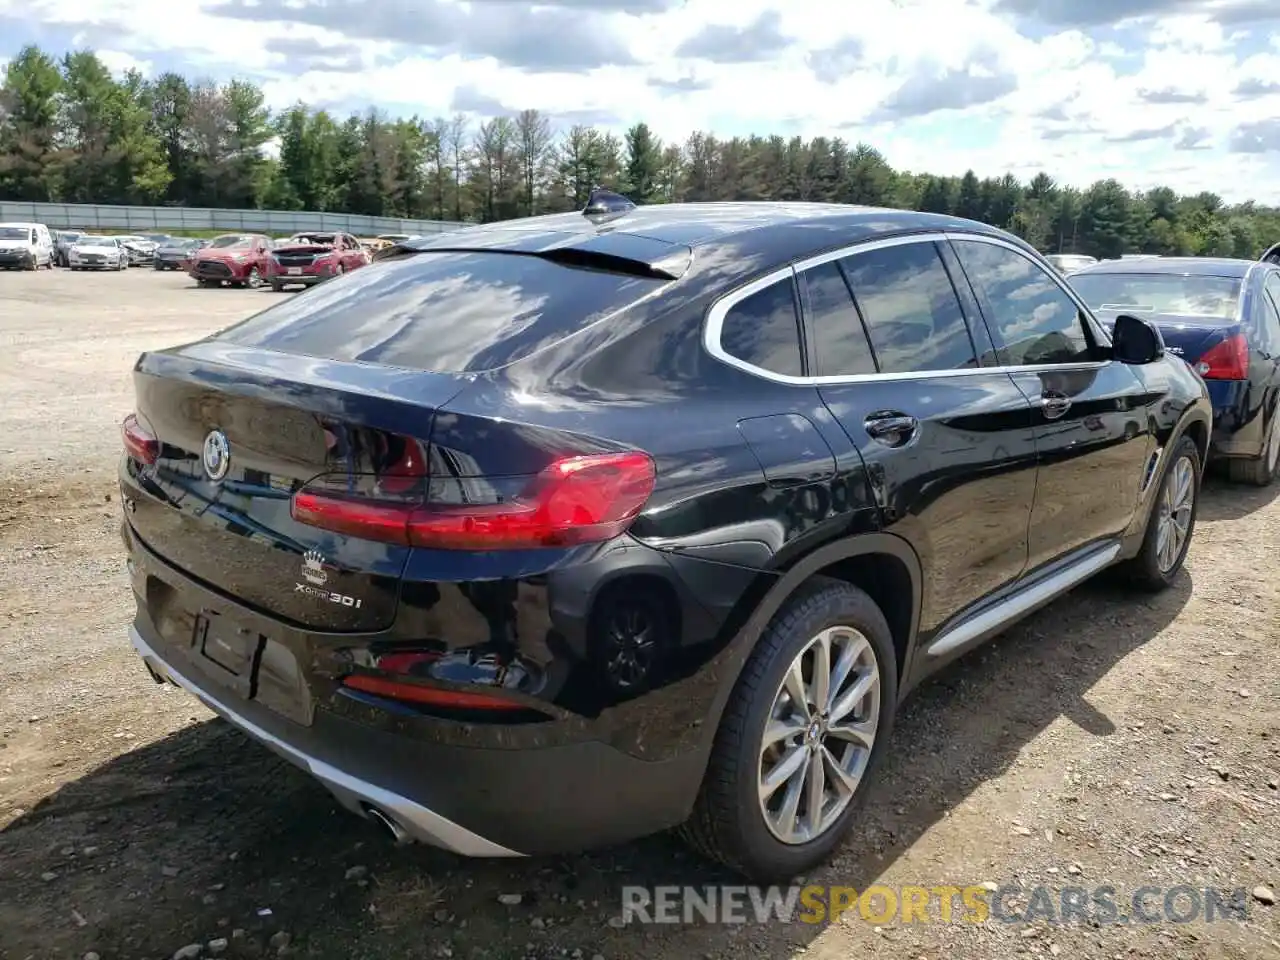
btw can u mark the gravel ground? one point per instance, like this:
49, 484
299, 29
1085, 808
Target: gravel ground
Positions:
1109, 741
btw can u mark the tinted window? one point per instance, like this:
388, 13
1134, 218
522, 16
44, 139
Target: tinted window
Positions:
762, 331
1034, 317
443, 312
1208, 297
840, 343
910, 309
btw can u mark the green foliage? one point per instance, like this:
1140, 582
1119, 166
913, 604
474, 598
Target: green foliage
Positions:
69, 131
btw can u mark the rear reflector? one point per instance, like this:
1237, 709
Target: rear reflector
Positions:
139, 442
1228, 360
428, 696
575, 500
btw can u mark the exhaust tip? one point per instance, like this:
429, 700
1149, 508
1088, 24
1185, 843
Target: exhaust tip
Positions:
398, 833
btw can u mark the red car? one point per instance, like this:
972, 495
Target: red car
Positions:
239, 259
307, 258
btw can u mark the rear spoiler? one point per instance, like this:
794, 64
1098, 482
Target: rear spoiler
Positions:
617, 252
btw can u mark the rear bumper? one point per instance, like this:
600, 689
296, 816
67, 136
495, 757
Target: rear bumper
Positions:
476, 802
357, 795
1235, 432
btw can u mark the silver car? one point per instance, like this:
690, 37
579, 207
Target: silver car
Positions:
98, 253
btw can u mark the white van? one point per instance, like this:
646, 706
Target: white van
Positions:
25, 246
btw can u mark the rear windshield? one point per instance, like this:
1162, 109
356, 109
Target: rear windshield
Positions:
1209, 297
442, 312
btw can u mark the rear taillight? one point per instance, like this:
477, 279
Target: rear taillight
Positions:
575, 500
1228, 360
139, 442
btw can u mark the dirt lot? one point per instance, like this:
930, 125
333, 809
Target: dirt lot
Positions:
1110, 740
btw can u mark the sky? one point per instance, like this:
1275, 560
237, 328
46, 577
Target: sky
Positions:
1177, 92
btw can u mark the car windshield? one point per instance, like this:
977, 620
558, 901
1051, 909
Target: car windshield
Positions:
231, 242
98, 240
13, 233
323, 239
1209, 297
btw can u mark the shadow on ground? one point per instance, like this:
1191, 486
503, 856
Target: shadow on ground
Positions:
1224, 500
191, 837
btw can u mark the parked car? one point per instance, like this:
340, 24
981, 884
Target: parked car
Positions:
562, 531
239, 259
25, 246
62, 241
98, 253
1222, 316
1066, 263
395, 237
373, 245
176, 253
140, 250
308, 258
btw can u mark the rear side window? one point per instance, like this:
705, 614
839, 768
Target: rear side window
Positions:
442, 312
910, 308
840, 342
761, 330
1034, 318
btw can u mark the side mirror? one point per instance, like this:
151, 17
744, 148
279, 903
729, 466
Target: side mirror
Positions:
1136, 341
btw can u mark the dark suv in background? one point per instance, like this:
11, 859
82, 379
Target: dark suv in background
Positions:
562, 531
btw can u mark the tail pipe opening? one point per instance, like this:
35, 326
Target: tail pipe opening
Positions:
399, 835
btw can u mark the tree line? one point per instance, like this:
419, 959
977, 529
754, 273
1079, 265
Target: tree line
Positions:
72, 132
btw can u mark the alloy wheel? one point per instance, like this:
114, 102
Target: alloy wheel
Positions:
819, 736
1177, 501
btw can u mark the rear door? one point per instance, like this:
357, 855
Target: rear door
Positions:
948, 442
1092, 416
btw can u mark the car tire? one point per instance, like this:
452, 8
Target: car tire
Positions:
1153, 569
1259, 471
253, 280
277, 287
728, 823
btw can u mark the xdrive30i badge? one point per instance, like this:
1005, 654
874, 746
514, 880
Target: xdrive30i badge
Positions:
216, 455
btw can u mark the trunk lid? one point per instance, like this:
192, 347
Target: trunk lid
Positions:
286, 420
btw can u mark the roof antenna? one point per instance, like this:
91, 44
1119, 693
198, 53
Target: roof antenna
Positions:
606, 203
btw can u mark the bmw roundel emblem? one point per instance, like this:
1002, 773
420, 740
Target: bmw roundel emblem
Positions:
217, 455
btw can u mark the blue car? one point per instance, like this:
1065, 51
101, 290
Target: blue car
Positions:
1222, 316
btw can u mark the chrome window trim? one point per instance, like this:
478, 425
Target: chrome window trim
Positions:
714, 324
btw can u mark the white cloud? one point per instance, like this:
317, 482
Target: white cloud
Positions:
1082, 103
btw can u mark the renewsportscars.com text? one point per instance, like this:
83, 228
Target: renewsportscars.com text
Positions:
815, 904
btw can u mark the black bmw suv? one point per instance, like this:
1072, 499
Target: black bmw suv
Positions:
554, 533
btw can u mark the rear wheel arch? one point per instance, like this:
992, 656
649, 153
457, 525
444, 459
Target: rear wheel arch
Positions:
1197, 428
880, 564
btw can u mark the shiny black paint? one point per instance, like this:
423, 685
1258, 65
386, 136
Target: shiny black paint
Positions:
761, 485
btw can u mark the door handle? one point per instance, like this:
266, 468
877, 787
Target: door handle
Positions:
891, 429
1054, 405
